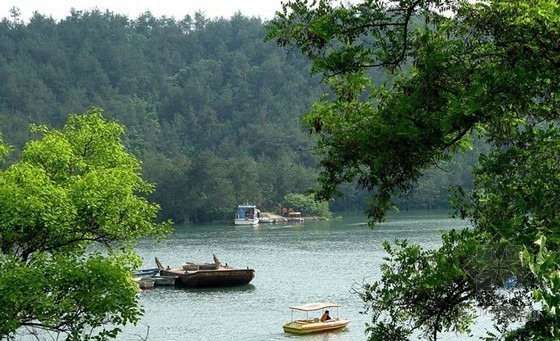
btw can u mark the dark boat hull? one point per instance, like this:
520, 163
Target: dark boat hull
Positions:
211, 278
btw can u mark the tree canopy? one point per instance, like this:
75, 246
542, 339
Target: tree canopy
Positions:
73, 207
192, 92
455, 70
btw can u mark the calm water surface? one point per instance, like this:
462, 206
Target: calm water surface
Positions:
294, 264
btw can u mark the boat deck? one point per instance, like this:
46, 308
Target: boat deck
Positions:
315, 326
211, 278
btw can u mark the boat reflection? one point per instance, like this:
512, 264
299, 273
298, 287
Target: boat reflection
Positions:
215, 290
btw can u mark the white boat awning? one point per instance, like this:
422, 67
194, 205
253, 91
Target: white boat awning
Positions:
315, 306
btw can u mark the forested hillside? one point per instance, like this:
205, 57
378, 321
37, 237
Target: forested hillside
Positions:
209, 107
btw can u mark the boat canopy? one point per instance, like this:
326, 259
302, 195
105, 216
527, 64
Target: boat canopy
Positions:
315, 306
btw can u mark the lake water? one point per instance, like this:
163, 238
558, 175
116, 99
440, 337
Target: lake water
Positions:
294, 264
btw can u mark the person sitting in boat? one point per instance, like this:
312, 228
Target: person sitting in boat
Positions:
325, 316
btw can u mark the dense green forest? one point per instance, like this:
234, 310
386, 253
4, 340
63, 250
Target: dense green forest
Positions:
210, 108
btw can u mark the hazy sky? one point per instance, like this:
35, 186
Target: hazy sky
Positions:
60, 9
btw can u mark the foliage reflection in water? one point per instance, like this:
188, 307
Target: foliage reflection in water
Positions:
294, 264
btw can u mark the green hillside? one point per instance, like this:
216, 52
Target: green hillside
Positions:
210, 108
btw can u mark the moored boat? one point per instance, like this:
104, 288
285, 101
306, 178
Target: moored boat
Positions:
295, 217
208, 275
144, 282
164, 280
315, 325
267, 220
247, 214
145, 273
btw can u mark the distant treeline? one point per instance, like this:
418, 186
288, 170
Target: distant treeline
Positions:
209, 107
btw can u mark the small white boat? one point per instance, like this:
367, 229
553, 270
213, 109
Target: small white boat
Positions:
315, 325
267, 220
247, 215
164, 280
145, 283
